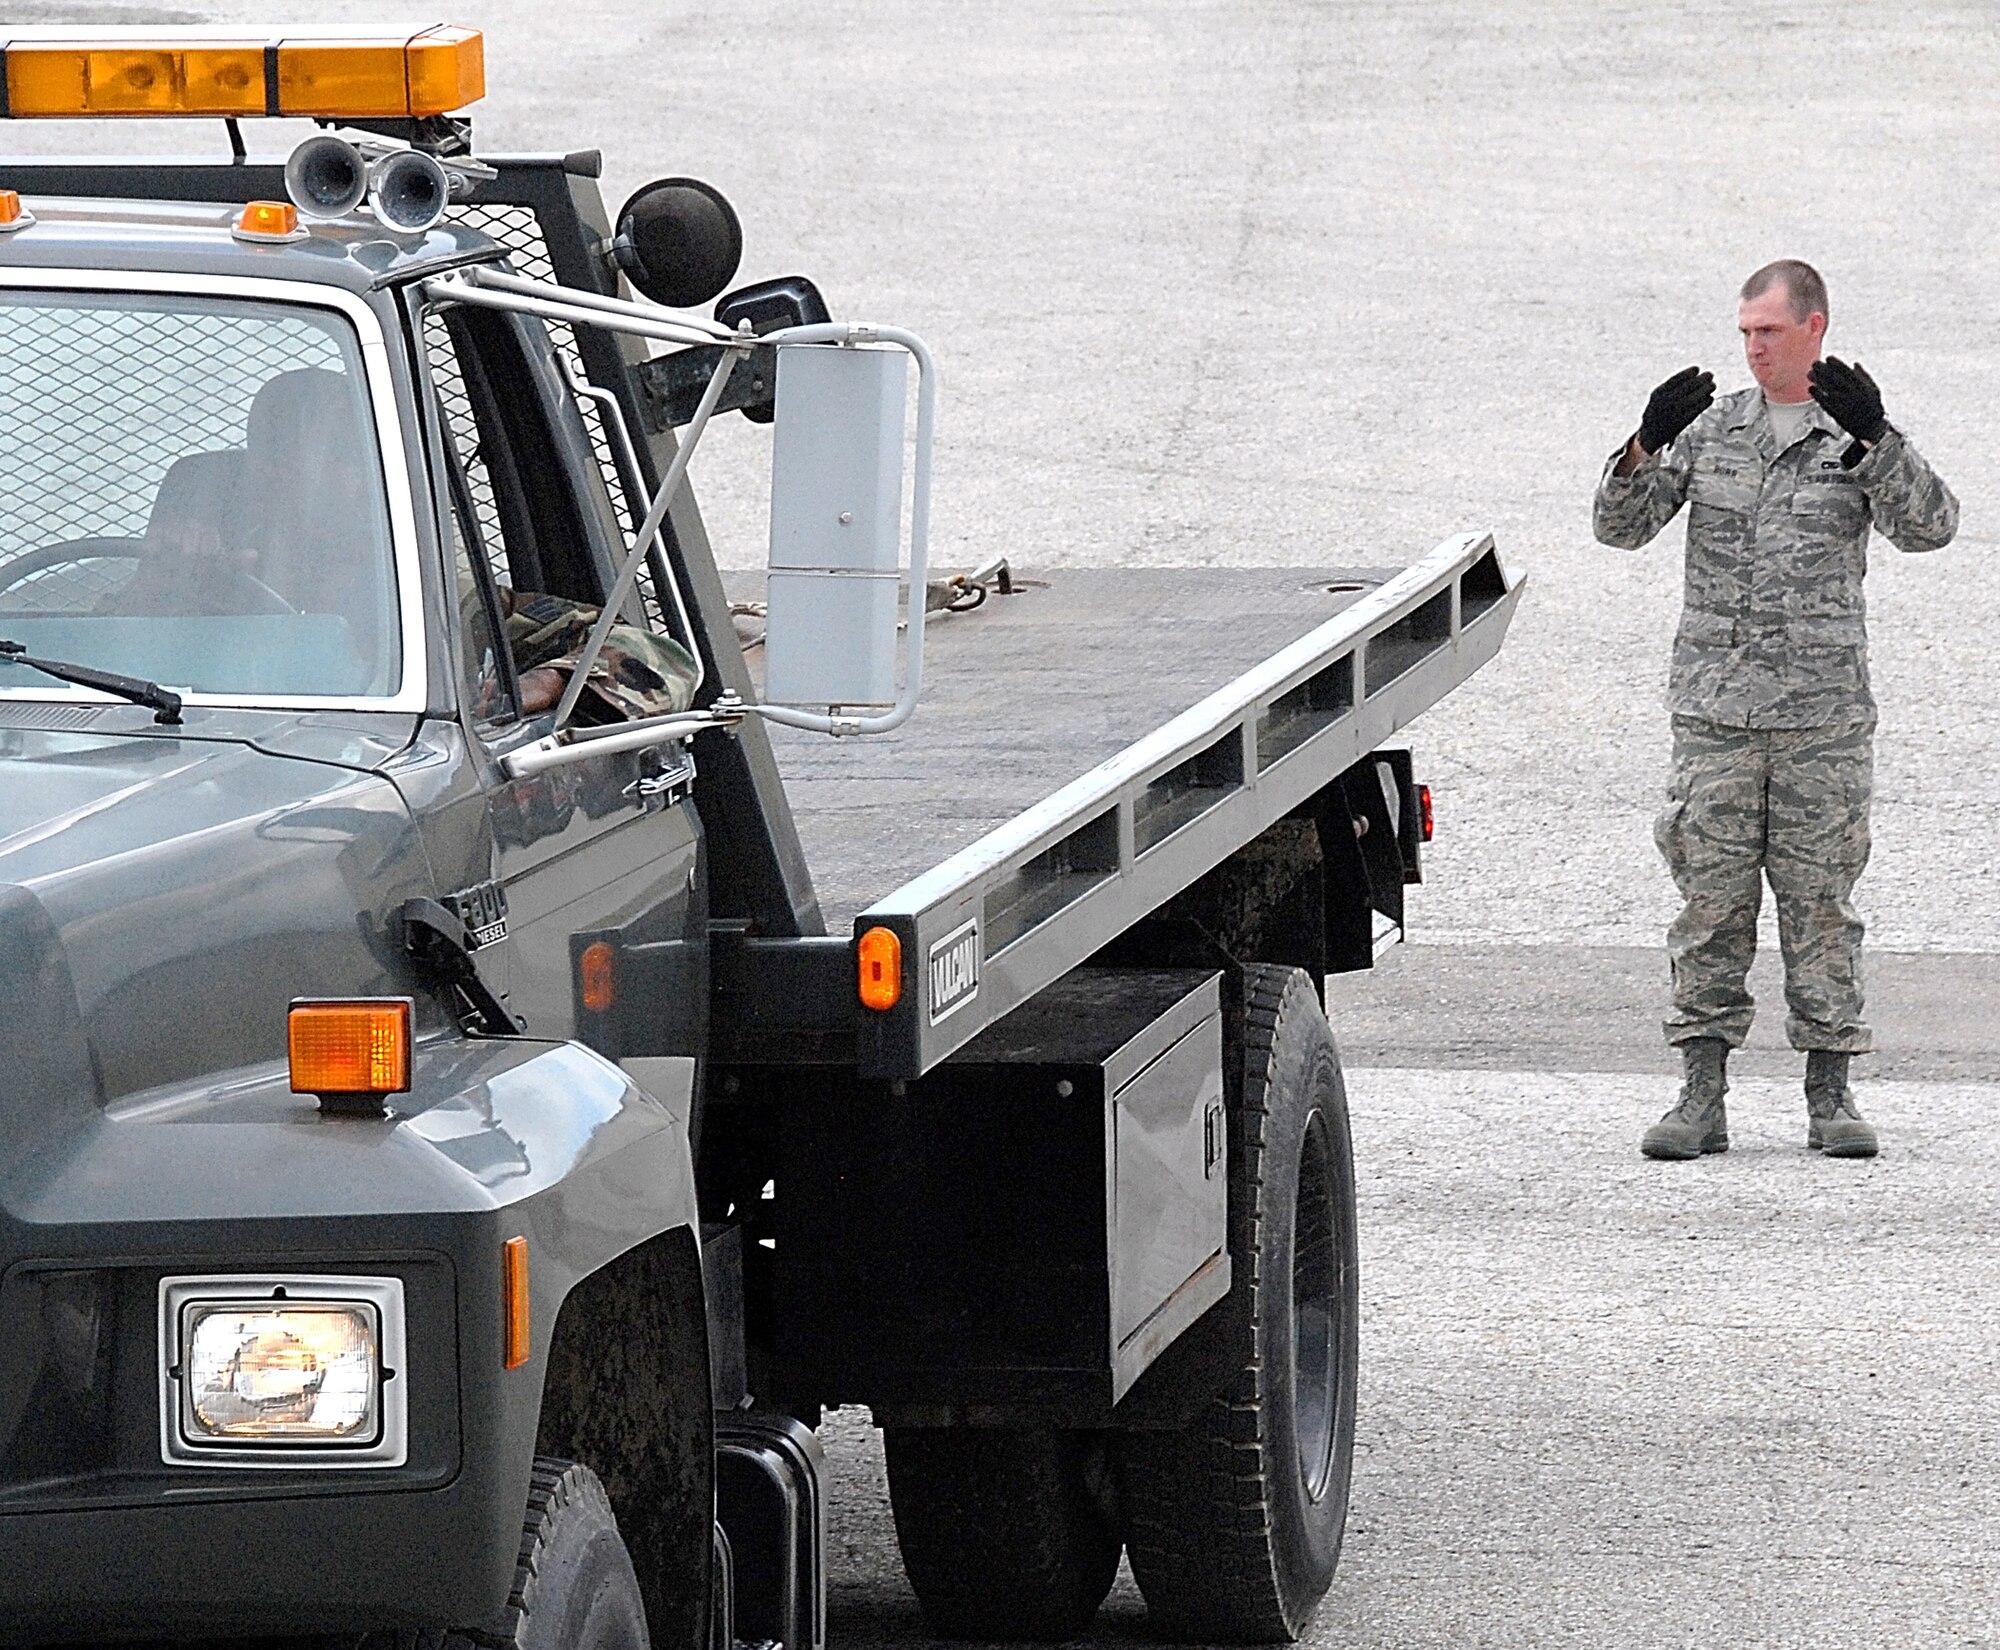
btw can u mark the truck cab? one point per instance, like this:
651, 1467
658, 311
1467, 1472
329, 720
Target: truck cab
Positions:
290, 1202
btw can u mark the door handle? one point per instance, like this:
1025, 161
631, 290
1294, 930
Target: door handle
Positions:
662, 788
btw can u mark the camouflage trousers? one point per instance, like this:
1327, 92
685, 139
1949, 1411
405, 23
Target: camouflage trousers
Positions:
1790, 805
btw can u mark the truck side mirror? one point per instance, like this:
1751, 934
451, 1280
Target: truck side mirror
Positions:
836, 527
789, 301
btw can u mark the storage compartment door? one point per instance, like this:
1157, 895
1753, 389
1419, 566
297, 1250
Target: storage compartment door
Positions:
1171, 1195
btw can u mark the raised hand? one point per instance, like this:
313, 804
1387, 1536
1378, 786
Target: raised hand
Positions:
1850, 395
1675, 405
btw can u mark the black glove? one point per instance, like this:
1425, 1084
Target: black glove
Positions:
1675, 405
1851, 396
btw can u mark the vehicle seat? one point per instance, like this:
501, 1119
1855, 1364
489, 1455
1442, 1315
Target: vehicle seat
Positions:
314, 499
183, 564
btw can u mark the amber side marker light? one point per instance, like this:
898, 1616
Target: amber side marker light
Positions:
514, 1301
351, 1053
13, 215
879, 958
596, 976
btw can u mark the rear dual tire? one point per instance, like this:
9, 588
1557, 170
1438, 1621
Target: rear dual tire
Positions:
1006, 1533
1233, 1522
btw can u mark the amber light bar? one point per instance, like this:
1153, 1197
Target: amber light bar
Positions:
325, 74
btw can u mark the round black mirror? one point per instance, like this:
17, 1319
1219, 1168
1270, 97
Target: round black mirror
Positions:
678, 242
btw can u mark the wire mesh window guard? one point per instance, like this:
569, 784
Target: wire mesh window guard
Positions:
195, 494
515, 228
98, 401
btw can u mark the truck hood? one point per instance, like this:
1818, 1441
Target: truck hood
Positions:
164, 895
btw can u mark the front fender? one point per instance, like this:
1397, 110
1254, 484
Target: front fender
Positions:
497, 1139
486, 1125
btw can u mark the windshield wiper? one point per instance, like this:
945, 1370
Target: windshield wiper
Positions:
166, 703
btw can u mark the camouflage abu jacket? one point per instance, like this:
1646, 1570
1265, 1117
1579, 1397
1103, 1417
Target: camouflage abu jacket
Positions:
1773, 630
638, 674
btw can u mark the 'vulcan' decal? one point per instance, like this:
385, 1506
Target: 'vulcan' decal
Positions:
952, 976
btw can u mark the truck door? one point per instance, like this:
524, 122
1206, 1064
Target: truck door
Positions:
605, 853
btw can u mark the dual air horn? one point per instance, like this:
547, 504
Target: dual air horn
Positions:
407, 189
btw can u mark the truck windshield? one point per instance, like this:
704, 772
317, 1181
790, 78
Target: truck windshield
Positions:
192, 494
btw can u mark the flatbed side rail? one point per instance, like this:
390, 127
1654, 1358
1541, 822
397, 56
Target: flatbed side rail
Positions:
998, 921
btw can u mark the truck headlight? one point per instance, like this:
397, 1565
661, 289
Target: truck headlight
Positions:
282, 1371
267, 1371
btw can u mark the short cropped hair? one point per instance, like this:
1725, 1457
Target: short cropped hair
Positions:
1801, 282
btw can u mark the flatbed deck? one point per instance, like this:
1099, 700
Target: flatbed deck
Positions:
1083, 757
1023, 695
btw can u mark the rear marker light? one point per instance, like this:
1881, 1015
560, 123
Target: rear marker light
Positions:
879, 957
597, 980
1424, 812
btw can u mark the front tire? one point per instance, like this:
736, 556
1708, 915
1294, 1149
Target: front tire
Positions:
1234, 1522
574, 1586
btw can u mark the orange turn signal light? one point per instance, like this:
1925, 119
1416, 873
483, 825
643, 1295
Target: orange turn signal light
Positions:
880, 959
357, 1047
596, 976
268, 221
514, 1303
10, 206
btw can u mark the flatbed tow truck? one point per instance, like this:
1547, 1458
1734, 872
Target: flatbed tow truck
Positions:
454, 1147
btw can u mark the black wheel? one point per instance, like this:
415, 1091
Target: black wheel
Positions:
1006, 1534
574, 1588
1234, 1522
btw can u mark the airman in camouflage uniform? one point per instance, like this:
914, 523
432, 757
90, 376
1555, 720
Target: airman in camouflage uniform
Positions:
1773, 718
638, 673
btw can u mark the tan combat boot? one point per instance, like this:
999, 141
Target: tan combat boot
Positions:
1833, 1124
1698, 1124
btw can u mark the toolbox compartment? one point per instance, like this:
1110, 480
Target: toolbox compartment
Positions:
1030, 1224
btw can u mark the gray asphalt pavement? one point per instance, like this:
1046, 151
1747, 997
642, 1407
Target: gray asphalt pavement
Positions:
1299, 282
1743, 1404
